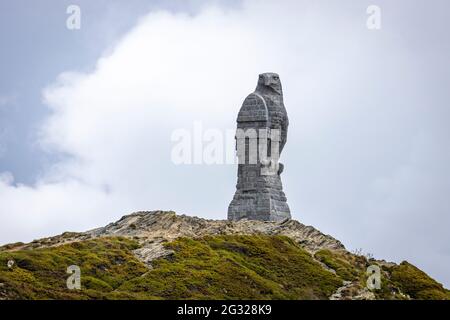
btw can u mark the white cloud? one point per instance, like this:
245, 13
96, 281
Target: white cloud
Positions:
355, 101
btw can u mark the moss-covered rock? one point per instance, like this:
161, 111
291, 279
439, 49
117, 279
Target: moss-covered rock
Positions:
220, 267
347, 266
105, 264
416, 283
237, 267
211, 267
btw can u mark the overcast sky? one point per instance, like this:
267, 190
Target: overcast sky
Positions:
86, 116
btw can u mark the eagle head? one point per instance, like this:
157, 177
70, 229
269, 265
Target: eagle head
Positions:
271, 81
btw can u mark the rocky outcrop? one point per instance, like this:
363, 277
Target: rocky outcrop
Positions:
154, 228
125, 252
163, 225
352, 290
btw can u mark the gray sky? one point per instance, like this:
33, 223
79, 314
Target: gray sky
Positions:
86, 116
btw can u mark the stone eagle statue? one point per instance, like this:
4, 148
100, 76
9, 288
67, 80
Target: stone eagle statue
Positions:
261, 135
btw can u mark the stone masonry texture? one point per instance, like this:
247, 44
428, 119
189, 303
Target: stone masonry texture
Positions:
259, 191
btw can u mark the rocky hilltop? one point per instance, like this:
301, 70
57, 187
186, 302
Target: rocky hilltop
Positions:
161, 255
152, 229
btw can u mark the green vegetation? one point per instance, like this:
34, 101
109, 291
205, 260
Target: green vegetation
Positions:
416, 283
41, 273
214, 267
237, 267
397, 282
347, 266
223, 267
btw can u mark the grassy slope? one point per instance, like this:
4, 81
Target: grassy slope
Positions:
220, 267
404, 278
237, 267
41, 273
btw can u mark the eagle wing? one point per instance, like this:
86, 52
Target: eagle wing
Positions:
254, 109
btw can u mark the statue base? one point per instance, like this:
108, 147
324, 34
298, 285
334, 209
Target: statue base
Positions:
262, 199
